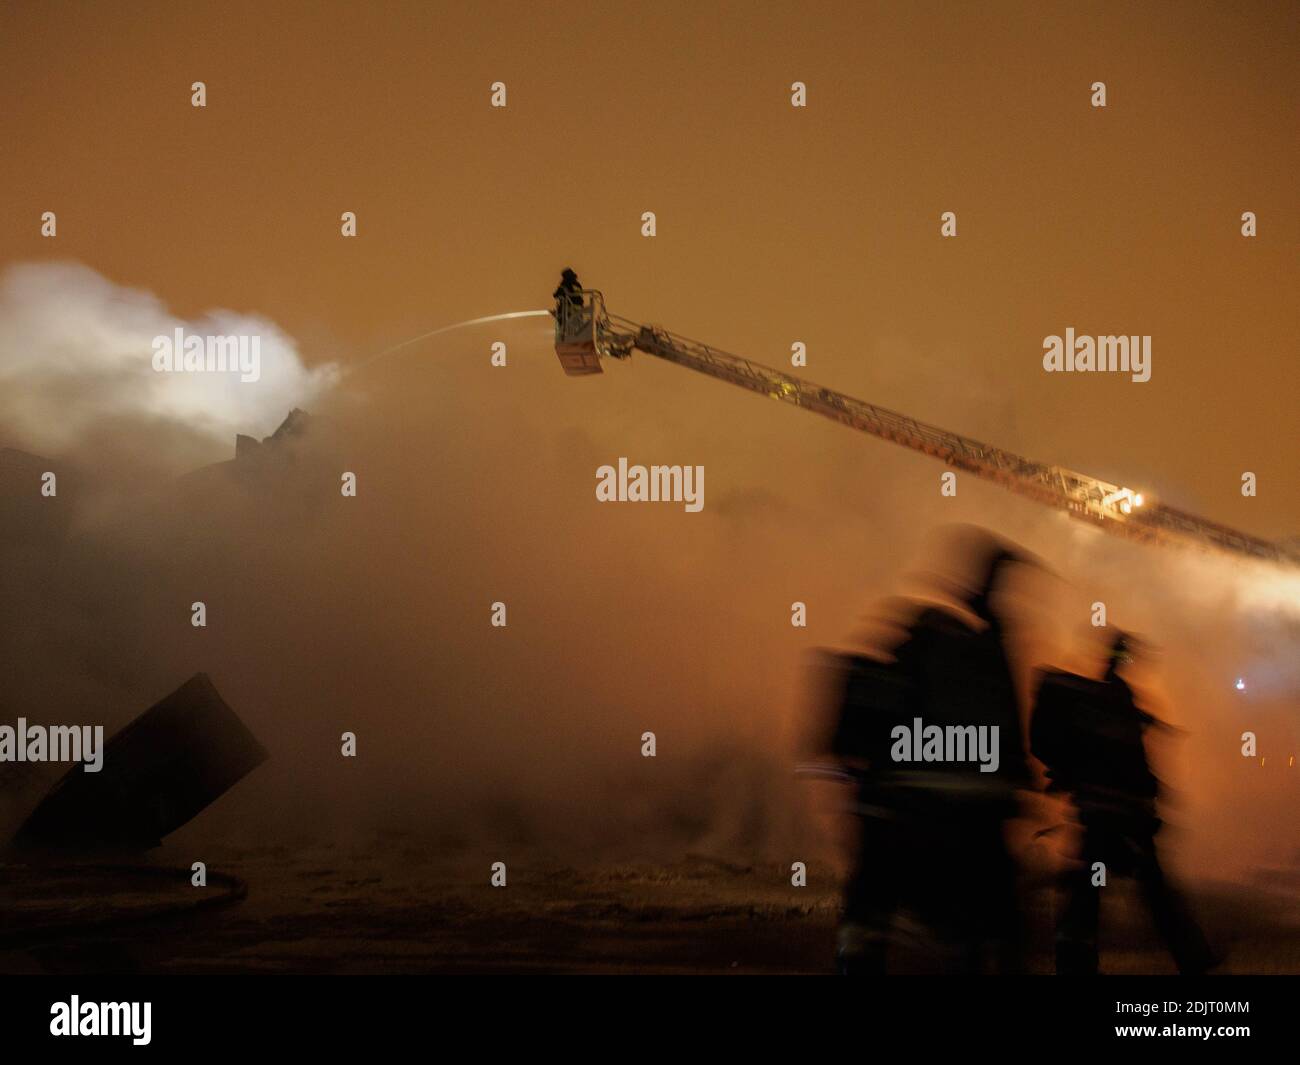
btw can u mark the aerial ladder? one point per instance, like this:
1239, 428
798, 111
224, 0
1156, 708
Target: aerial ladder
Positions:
585, 333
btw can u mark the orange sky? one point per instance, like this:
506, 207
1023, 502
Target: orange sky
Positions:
775, 224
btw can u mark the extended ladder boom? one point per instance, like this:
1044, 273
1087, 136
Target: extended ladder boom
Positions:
593, 332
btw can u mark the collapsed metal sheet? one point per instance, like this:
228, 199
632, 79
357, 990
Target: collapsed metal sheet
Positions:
173, 760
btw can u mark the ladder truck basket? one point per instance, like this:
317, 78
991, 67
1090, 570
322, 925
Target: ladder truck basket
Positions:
578, 333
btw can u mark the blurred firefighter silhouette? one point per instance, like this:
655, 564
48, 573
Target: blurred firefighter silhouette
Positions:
568, 294
931, 815
1090, 736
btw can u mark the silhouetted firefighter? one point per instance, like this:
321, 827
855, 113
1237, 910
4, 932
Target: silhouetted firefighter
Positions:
1090, 736
932, 828
568, 296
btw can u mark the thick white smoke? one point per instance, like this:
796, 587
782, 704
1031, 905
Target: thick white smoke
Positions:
76, 355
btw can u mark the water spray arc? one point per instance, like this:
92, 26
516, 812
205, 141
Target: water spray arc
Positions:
450, 328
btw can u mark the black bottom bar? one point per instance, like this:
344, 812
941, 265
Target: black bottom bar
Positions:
635, 1015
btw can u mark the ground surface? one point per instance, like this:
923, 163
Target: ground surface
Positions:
393, 906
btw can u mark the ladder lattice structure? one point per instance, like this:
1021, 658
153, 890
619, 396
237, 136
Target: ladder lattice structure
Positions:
1115, 508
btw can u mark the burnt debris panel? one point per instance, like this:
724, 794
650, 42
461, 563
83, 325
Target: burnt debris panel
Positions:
162, 769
